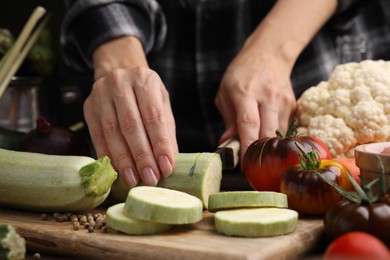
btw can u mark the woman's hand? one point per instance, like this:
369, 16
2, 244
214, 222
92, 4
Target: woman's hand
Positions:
129, 117
255, 98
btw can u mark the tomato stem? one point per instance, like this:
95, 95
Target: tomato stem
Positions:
381, 180
348, 195
291, 131
363, 195
310, 160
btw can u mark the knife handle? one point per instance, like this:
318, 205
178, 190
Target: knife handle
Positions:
230, 153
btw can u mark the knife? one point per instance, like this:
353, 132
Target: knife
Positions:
230, 153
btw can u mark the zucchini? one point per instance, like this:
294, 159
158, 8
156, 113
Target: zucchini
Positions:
43, 182
9, 139
256, 222
12, 245
246, 199
198, 174
118, 221
162, 205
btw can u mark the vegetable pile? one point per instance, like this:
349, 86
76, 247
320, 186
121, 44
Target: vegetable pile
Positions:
351, 108
306, 191
267, 159
252, 214
152, 210
290, 163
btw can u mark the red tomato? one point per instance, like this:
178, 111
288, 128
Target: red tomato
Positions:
267, 159
357, 246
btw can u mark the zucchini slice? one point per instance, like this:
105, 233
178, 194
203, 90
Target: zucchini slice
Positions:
163, 205
198, 174
246, 199
118, 221
258, 222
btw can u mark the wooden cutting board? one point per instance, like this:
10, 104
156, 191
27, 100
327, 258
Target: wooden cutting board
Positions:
198, 241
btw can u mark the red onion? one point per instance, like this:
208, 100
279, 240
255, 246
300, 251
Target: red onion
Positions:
57, 140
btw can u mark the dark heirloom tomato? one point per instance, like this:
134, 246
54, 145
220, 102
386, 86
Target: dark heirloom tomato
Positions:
346, 216
267, 159
307, 193
367, 210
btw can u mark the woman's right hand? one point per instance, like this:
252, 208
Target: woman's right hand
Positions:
129, 115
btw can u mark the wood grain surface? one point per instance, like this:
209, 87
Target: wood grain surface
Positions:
197, 241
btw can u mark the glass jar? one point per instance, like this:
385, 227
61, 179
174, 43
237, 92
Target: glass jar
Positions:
19, 104
352, 48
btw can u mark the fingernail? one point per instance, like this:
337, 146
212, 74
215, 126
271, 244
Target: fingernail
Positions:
149, 177
130, 178
165, 165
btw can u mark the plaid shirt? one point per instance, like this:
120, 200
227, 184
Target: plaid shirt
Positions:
191, 42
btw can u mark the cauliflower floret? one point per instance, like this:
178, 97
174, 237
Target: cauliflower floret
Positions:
339, 103
354, 101
342, 77
361, 93
366, 73
312, 102
382, 96
373, 74
333, 132
301, 130
369, 122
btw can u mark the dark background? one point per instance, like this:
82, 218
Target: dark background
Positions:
63, 94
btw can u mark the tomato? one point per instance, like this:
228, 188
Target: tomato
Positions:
366, 209
267, 159
357, 246
351, 166
346, 216
306, 192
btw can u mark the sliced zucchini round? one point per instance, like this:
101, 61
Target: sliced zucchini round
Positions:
246, 199
163, 205
118, 221
257, 222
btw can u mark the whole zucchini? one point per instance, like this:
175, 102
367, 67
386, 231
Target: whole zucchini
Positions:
49, 183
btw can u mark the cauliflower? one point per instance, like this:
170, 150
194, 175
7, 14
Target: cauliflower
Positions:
333, 131
351, 108
369, 122
314, 103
